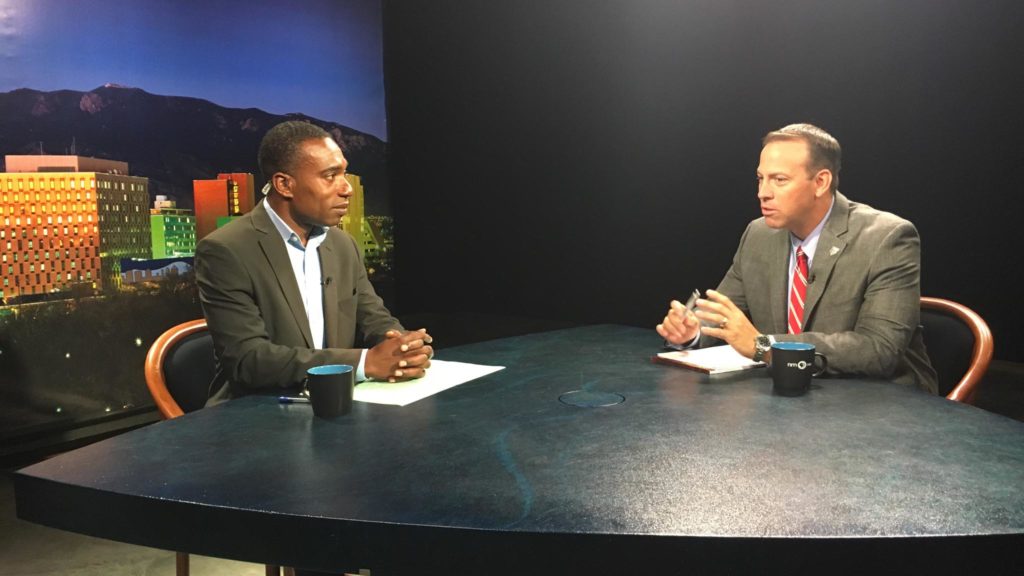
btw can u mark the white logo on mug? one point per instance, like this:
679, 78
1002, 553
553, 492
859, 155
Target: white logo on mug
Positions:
801, 365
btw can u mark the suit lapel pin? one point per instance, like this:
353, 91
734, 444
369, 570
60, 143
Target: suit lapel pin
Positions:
833, 251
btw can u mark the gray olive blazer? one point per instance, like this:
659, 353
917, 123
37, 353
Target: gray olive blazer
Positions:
863, 305
254, 310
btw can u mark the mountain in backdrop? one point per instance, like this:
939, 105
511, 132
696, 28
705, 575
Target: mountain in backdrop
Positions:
172, 140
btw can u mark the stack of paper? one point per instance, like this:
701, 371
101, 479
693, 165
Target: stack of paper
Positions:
712, 360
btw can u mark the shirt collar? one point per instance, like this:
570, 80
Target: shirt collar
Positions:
288, 235
811, 242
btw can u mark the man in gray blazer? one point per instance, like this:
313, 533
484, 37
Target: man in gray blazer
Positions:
860, 295
284, 289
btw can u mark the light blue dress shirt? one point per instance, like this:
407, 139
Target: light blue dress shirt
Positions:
810, 246
305, 262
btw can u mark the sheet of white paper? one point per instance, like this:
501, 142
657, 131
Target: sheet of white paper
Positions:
441, 375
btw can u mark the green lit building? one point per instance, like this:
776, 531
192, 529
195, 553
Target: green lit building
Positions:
173, 230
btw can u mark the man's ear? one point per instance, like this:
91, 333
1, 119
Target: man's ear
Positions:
822, 182
282, 183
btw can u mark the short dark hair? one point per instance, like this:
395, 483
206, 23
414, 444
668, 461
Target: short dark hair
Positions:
825, 152
280, 145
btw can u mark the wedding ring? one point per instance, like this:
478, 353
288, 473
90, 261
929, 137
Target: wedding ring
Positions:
723, 324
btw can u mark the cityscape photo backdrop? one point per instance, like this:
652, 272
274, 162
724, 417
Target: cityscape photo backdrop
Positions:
128, 131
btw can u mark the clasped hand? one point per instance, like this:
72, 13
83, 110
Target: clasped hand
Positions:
722, 319
400, 356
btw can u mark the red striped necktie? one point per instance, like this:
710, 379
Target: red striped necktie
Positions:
798, 293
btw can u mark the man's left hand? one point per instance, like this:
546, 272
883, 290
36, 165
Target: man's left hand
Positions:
399, 356
727, 322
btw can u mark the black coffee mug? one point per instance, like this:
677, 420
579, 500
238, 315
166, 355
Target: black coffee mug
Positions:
330, 389
793, 367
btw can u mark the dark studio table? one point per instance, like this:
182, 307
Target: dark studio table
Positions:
690, 473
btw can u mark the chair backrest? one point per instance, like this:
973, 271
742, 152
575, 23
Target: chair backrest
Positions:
959, 344
179, 368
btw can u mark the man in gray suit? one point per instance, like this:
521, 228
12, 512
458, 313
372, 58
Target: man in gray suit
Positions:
284, 289
860, 289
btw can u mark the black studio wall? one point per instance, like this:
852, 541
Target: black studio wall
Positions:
588, 160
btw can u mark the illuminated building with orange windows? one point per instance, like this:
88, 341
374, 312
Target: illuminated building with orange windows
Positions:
218, 201
67, 221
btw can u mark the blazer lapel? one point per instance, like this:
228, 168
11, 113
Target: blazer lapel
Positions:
330, 271
277, 256
831, 245
778, 283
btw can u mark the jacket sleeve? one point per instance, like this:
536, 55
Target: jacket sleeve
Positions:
372, 317
732, 285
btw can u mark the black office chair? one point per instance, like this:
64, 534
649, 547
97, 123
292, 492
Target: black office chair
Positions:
179, 368
959, 344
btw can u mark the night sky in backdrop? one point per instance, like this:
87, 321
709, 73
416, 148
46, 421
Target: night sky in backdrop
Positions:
322, 58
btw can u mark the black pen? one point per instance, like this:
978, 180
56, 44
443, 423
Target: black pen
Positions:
292, 400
